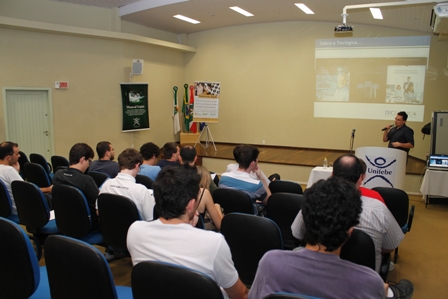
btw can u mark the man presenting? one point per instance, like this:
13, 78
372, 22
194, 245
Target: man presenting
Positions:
399, 135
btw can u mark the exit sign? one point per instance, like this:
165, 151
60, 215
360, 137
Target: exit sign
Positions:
61, 84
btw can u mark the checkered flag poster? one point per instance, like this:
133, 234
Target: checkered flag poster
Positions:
206, 101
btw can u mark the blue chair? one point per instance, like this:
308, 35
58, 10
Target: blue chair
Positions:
285, 186
152, 279
72, 214
249, 238
36, 174
232, 200
20, 274
59, 162
6, 204
144, 180
98, 177
33, 210
39, 159
77, 269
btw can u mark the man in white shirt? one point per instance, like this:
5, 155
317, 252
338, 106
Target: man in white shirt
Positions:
173, 238
124, 183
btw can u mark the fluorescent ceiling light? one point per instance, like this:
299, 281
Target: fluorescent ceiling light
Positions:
304, 8
241, 11
186, 19
376, 13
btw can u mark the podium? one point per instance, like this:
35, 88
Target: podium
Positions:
386, 167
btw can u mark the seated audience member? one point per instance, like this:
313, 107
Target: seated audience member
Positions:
376, 220
170, 153
124, 183
207, 203
149, 167
80, 158
105, 163
9, 171
240, 179
330, 211
202, 250
188, 158
366, 191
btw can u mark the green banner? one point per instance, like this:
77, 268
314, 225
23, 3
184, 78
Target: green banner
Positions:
135, 106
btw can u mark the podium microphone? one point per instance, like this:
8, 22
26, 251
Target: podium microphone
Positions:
353, 132
384, 129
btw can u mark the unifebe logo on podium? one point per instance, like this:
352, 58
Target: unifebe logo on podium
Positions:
386, 167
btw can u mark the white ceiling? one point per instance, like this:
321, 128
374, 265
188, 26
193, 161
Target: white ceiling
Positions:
213, 14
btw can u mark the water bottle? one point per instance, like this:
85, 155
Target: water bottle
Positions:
325, 163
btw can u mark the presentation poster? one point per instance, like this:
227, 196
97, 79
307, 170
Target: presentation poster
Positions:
135, 106
206, 102
371, 78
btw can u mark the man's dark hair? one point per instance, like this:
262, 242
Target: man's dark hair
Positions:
7, 149
101, 148
173, 190
330, 209
129, 158
248, 153
148, 150
236, 152
363, 166
347, 167
404, 114
169, 149
188, 153
78, 151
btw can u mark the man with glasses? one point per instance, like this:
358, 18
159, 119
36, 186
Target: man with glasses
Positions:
80, 158
399, 135
105, 163
124, 183
173, 238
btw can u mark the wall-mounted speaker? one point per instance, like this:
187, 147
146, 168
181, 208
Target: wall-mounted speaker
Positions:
137, 67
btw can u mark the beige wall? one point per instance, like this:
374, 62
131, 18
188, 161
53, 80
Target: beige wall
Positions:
266, 73
268, 85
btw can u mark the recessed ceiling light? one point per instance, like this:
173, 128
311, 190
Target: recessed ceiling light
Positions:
304, 8
186, 19
241, 11
376, 13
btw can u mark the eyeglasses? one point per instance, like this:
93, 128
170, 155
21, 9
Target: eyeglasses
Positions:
90, 161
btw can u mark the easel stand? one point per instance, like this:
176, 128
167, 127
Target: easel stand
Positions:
208, 138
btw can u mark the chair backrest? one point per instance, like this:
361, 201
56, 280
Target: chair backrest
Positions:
36, 174
32, 206
5, 201
249, 238
144, 180
232, 201
58, 162
151, 279
19, 274
77, 270
285, 186
22, 160
72, 213
283, 295
359, 249
98, 177
397, 201
39, 159
283, 208
117, 213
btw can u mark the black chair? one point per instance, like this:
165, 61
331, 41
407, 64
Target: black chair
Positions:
20, 274
39, 159
397, 201
6, 204
117, 213
59, 162
22, 160
36, 174
232, 201
32, 209
285, 186
283, 208
72, 214
144, 180
79, 270
98, 177
283, 295
151, 279
249, 238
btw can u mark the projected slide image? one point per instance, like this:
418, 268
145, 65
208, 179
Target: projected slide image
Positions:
333, 84
405, 84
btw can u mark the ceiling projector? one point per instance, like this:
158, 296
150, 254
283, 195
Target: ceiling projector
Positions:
343, 28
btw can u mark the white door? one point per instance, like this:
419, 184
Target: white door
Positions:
28, 120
